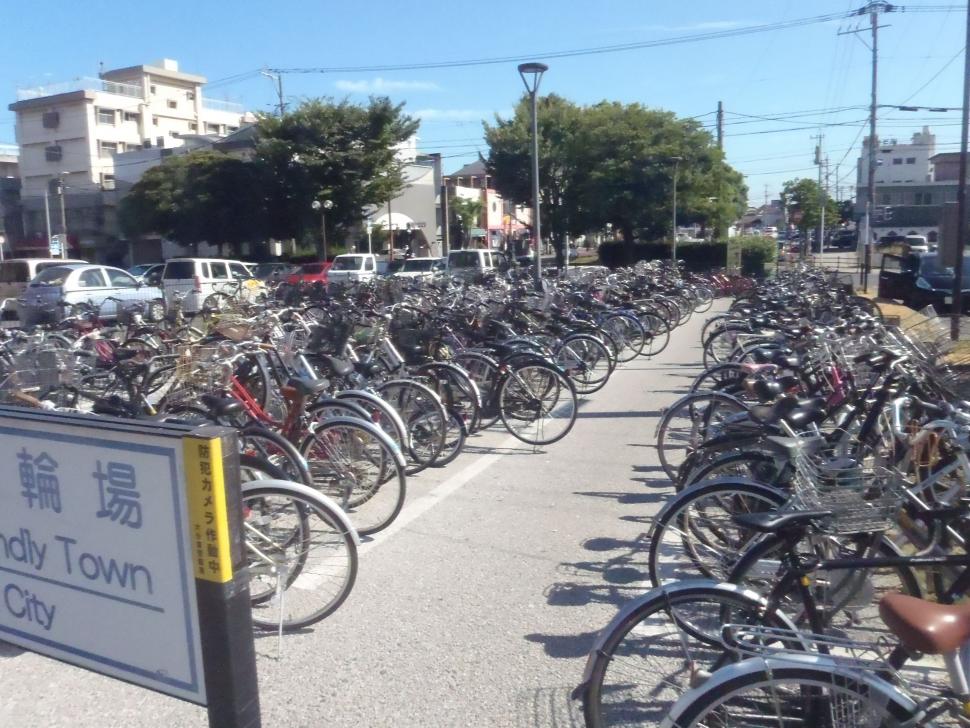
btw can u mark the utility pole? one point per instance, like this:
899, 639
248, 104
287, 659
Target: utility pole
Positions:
62, 189
719, 224
962, 228
278, 77
873, 8
821, 194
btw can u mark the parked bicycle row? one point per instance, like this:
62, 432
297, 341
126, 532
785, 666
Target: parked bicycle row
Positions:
807, 561
339, 396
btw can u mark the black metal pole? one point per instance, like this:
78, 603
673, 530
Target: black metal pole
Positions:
962, 231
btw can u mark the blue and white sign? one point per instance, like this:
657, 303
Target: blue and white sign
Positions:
94, 551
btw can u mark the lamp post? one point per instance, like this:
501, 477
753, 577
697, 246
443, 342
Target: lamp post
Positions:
531, 74
370, 229
673, 230
323, 207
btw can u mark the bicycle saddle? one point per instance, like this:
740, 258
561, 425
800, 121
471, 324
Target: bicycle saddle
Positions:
340, 367
923, 626
784, 408
778, 522
307, 387
221, 406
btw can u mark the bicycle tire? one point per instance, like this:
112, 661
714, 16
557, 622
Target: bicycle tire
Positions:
308, 507
520, 400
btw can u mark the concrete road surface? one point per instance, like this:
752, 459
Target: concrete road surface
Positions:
476, 608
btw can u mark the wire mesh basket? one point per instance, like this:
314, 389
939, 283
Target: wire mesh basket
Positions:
200, 369
862, 498
36, 371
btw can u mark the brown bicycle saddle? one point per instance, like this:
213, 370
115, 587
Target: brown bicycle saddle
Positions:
926, 627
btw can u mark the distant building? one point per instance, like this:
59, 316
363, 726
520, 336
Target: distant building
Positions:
11, 223
72, 131
913, 183
502, 223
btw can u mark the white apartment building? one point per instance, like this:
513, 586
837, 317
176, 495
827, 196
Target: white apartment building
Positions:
71, 131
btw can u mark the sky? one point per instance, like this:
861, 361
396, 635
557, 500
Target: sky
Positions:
779, 88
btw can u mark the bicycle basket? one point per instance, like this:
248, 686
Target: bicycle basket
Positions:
862, 498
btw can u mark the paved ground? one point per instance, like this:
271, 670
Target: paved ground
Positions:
477, 608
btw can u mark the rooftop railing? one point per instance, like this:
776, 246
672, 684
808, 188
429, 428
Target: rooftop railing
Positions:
217, 105
83, 83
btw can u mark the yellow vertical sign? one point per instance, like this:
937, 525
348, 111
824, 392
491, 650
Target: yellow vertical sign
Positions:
208, 518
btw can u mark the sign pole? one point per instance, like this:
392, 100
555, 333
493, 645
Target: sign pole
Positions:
221, 578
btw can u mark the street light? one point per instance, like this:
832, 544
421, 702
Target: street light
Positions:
673, 248
531, 74
323, 207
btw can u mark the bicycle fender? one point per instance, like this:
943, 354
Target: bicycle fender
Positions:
310, 493
374, 430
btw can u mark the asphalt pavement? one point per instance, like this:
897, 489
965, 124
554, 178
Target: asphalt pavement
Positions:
477, 607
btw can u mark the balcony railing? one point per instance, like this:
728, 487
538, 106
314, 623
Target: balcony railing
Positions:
216, 105
83, 83
9, 150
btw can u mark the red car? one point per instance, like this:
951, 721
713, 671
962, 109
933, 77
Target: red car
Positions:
310, 273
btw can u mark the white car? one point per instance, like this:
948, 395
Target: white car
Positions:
196, 279
352, 268
53, 292
419, 268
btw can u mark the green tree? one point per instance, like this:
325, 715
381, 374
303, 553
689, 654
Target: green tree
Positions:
613, 163
202, 196
803, 200
465, 214
328, 150
510, 163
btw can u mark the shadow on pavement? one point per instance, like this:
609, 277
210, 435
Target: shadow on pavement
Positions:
619, 415
627, 498
564, 645
551, 707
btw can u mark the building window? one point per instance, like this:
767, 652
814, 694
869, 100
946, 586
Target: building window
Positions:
211, 128
885, 198
152, 88
910, 160
193, 127
190, 95
132, 116
173, 104
106, 116
53, 153
146, 144
52, 119
160, 141
231, 129
897, 160
173, 133
154, 121
107, 149
107, 181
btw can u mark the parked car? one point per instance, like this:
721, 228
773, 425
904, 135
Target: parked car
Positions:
272, 272
417, 268
843, 240
471, 264
352, 267
150, 273
199, 278
16, 273
51, 293
921, 279
309, 273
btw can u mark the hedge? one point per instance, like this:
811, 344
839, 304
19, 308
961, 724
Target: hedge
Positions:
756, 253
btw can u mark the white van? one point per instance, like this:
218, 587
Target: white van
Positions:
473, 263
352, 268
198, 278
16, 273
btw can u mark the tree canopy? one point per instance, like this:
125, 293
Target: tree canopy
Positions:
322, 150
203, 196
803, 200
613, 163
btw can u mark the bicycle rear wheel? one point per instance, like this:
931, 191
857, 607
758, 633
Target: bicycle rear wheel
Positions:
301, 552
537, 404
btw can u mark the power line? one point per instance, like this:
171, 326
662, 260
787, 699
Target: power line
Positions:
593, 50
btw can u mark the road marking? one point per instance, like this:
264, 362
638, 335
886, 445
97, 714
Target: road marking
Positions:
428, 501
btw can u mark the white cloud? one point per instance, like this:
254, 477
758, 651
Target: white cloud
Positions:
707, 25
382, 85
458, 114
